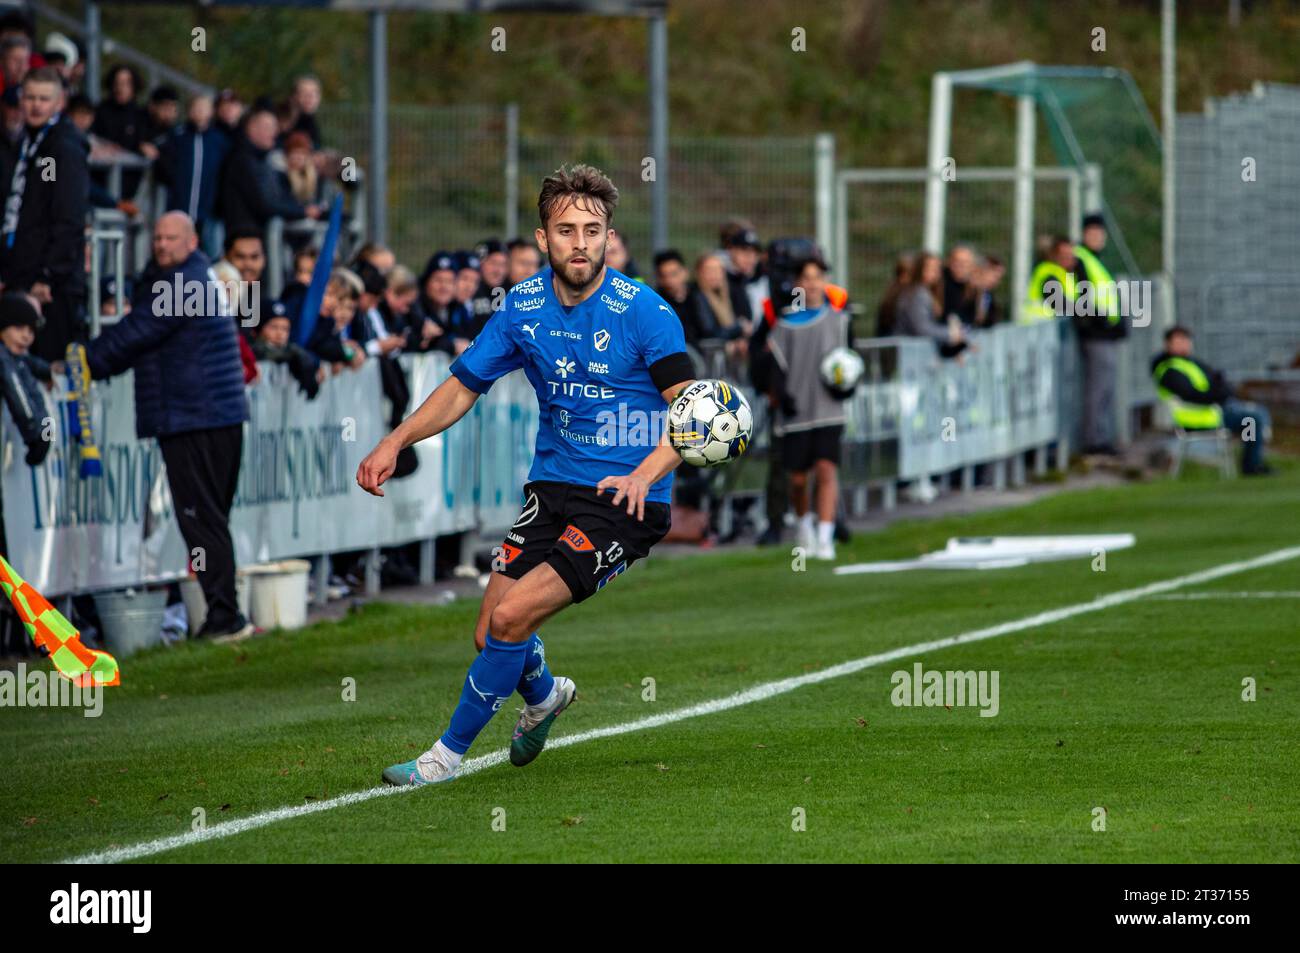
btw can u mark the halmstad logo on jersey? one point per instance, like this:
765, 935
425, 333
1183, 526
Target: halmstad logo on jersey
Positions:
601, 339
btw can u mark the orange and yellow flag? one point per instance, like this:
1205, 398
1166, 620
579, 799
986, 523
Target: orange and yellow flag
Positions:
50, 630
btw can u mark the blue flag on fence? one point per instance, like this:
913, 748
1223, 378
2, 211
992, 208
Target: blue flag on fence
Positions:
320, 275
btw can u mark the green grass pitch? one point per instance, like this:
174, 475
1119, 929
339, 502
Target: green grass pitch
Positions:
1136, 709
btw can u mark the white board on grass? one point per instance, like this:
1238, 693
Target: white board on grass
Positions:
1000, 552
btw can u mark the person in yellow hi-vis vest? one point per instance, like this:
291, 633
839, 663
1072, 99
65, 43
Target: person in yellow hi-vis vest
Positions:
1052, 283
1099, 326
1200, 399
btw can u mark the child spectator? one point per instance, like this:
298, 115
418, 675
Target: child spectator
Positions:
20, 369
329, 341
438, 303
18, 321
273, 345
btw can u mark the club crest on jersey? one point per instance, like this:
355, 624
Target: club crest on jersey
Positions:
576, 539
601, 339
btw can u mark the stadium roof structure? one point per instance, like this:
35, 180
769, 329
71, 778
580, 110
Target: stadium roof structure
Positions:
653, 11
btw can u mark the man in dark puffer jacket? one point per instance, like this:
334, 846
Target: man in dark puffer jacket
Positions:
189, 394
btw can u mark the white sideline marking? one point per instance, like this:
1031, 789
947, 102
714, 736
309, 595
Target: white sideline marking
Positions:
1228, 595
748, 696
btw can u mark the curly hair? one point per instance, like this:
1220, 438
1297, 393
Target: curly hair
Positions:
569, 184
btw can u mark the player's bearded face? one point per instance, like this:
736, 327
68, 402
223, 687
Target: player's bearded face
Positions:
575, 246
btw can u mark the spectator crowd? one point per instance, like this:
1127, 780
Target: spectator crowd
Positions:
229, 166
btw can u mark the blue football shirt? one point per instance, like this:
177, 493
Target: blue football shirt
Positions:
600, 412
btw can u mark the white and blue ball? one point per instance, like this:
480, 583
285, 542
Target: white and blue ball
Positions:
710, 423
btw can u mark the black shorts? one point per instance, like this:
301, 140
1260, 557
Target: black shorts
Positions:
801, 448
585, 538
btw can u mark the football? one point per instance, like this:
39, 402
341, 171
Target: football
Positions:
710, 423
841, 370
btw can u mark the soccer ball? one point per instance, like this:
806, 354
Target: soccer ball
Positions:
710, 423
841, 370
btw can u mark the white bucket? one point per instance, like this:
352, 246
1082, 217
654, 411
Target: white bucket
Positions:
131, 620
196, 606
278, 596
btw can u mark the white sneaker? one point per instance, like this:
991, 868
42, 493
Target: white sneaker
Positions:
825, 551
923, 491
428, 768
807, 537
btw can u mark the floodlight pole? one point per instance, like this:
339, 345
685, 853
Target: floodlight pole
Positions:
512, 171
377, 174
936, 187
93, 52
824, 199
659, 132
1023, 240
1168, 119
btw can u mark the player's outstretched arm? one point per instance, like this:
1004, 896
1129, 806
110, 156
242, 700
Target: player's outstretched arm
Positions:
450, 401
661, 461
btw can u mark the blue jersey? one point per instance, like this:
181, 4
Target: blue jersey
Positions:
601, 414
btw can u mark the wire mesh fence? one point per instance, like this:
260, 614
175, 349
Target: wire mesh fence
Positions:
881, 212
1238, 230
447, 179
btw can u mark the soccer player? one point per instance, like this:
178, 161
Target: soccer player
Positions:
605, 354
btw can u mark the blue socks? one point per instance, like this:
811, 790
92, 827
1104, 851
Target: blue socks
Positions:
492, 678
536, 682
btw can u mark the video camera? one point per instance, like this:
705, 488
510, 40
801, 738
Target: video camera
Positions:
786, 258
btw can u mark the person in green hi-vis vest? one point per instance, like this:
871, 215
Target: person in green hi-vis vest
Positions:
1200, 399
1100, 329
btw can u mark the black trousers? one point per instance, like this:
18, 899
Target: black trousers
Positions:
777, 499
65, 322
203, 472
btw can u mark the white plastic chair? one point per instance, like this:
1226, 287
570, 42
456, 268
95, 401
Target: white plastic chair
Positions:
1188, 442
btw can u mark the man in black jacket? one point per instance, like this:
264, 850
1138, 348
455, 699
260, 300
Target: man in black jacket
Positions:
43, 242
189, 394
1200, 398
252, 190
1100, 327
746, 282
